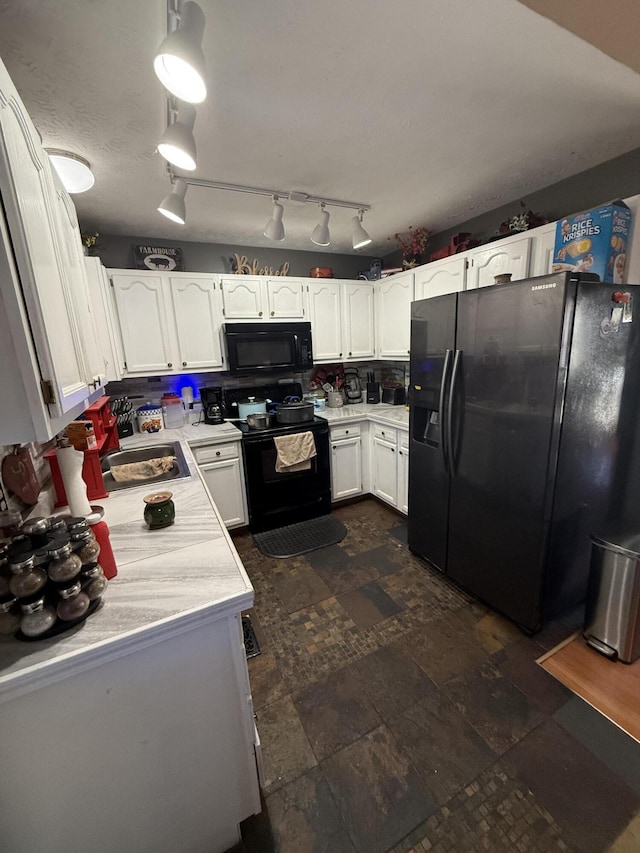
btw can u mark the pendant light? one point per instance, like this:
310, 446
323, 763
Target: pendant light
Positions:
178, 145
173, 206
360, 237
179, 62
321, 236
274, 229
74, 171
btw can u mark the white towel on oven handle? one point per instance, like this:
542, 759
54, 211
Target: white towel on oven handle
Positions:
294, 452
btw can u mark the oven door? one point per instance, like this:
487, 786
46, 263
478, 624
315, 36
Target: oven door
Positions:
276, 499
255, 349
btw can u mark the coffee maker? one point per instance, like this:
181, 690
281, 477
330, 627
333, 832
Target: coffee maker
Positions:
212, 405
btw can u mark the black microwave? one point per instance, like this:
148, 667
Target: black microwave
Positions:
268, 346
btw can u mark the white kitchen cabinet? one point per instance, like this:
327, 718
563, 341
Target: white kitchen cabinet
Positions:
222, 471
358, 331
169, 323
544, 240
74, 270
101, 296
143, 313
440, 277
197, 306
285, 298
508, 255
393, 316
346, 462
243, 298
261, 298
384, 464
342, 319
403, 472
326, 319
44, 368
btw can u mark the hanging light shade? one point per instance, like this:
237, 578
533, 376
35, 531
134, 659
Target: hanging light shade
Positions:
360, 237
179, 62
173, 206
74, 171
274, 229
178, 145
321, 236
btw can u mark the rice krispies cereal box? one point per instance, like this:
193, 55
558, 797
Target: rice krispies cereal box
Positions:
595, 241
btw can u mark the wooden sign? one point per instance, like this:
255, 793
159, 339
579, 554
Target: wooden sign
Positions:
241, 266
157, 258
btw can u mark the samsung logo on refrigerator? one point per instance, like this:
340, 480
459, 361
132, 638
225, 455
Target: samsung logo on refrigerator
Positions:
543, 286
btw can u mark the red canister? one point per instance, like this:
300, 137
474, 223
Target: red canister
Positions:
101, 532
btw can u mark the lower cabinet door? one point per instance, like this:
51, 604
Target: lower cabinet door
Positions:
346, 468
224, 481
403, 476
385, 471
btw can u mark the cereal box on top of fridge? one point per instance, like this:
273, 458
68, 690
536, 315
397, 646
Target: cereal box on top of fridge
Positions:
595, 241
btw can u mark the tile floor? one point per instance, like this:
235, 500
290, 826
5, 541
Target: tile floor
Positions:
398, 714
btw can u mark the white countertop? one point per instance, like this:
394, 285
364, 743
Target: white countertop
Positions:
163, 575
380, 412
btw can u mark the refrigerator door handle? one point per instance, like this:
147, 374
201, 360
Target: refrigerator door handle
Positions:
441, 410
454, 376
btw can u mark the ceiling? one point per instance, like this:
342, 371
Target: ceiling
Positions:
430, 112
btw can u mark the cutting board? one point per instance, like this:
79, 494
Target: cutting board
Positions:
19, 476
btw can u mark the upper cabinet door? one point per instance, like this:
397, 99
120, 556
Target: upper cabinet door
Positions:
441, 277
29, 203
197, 304
505, 256
285, 298
326, 320
544, 241
243, 298
393, 316
358, 328
142, 312
75, 273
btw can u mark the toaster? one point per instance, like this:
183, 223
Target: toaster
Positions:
395, 396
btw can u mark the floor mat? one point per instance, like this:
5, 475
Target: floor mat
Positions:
300, 538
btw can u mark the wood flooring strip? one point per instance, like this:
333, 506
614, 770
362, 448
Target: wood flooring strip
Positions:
611, 687
557, 648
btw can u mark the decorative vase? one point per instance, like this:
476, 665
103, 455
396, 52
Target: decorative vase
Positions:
411, 261
159, 510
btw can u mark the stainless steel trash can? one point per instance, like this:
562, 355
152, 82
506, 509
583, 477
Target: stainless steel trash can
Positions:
612, 617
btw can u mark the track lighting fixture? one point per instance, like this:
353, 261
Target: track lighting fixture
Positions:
179, 62
173, 206
178, 145
74, 171
274, 229
360, 237
321, 236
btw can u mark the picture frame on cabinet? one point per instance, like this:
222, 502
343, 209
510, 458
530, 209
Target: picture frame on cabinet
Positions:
158, 258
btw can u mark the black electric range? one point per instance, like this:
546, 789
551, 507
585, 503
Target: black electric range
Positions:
274, 498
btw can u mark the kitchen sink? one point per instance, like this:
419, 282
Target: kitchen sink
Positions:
144, 454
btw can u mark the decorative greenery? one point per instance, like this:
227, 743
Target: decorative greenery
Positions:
413, 243
89, 242
522, 221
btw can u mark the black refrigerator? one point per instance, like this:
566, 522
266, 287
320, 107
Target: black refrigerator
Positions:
523, 401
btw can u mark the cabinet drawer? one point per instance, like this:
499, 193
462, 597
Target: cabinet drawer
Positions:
216, 452
385, 433
349, 431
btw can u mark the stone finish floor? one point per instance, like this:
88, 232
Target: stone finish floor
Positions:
397, 713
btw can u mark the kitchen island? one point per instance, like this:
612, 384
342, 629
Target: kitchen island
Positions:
134, 731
